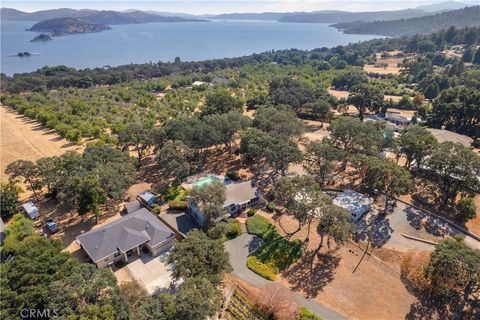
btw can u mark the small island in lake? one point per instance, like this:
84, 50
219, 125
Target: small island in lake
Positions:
63, 26
24, 54
43, 37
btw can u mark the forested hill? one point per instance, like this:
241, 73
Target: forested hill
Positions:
63, 26
466, 17
345, 16
270, 16
94, 16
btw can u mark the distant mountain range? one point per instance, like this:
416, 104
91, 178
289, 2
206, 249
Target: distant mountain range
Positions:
443, 6
466, 17
271, 16
93, 16
345, 16
337, 16
137, 16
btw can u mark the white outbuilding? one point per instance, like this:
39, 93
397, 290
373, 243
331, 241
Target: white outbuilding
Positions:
31, 210
356, 203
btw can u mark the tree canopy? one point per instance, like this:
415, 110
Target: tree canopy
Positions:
9, 192
210, 198
199, 256
454, 274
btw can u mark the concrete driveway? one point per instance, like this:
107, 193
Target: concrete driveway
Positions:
244, 245
153, 273
179, 220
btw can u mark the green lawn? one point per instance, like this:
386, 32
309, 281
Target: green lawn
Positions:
276, 254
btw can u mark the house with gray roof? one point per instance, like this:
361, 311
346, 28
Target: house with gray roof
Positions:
443, 135
398, 119
238, 197
128, 236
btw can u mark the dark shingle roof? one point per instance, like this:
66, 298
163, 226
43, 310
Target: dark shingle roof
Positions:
133, 229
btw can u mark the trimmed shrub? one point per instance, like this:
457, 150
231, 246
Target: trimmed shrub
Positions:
156, 209
306, 314
177, 205
261, 268
174, 193
233, 229
233, 175
251, 212
271, 206
258, 225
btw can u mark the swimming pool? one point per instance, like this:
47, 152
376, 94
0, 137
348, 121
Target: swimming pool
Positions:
203, 181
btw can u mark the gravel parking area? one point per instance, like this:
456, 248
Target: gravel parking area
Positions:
386, 231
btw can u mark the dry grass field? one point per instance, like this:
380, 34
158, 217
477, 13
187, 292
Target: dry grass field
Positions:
392, 67
23, 138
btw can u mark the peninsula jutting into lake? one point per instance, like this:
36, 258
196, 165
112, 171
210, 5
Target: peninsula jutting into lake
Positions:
63, 26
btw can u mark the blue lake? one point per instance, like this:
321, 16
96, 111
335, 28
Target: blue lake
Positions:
153, 42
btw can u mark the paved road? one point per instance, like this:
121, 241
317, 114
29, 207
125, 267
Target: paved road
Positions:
239, 249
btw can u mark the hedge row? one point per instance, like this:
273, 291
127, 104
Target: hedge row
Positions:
260, 268
177, 205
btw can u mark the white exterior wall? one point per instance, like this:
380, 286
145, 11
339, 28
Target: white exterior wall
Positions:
196, 212
161, 247
104, 263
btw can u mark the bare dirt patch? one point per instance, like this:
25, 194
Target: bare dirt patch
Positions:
315, 130
23, 138
385, 65
339, 94
406, 113
395, 99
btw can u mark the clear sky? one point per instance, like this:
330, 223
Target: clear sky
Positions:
222, 6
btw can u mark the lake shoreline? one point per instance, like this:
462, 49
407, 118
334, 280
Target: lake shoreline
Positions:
153, 42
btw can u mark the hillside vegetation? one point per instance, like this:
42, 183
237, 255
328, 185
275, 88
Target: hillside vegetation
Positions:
63, 26
345, 16
93, 16
421, 25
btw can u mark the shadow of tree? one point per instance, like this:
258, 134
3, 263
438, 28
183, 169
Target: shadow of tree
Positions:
378, 232
312, 273
421, 220
381, 232
427, 305
255, 244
